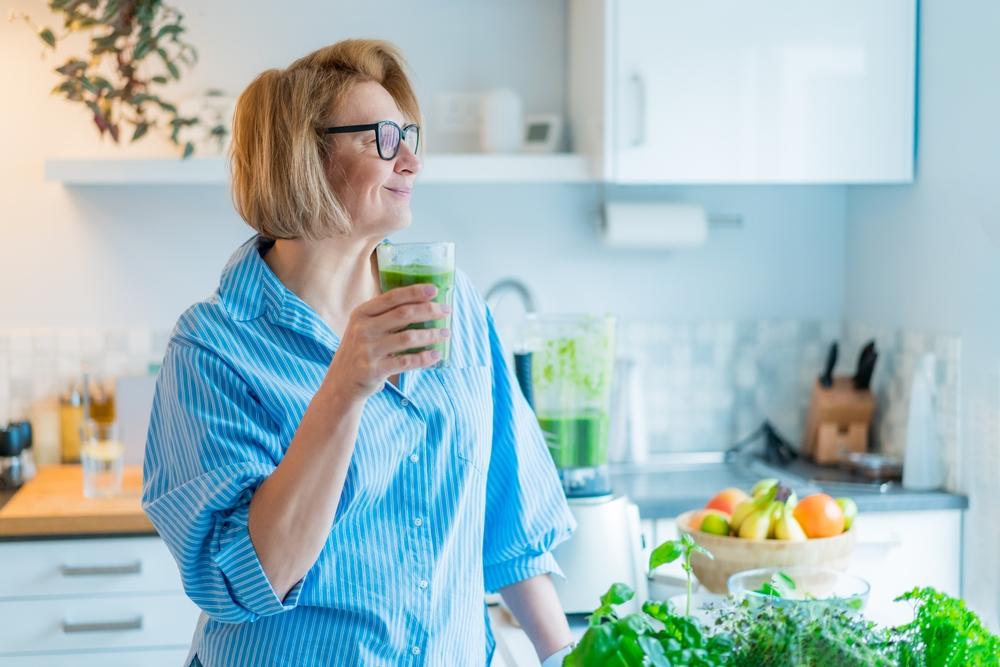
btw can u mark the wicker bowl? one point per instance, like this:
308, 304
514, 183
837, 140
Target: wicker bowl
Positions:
735, 554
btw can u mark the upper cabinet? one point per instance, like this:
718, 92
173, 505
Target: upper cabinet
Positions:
744, 91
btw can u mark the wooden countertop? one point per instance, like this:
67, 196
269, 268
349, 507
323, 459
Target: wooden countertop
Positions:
53, 505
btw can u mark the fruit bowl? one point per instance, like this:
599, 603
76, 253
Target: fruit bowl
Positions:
736, 554
817, 587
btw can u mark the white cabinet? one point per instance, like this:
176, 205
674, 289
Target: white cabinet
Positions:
92, 601
898, 551
744, 91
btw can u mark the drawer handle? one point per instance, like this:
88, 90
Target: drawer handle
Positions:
134, 567
103, 626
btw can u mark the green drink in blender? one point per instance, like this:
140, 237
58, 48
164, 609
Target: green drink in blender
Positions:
571, 366
403, 264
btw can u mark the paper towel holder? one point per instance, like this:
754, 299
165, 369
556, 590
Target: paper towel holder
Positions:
659, 224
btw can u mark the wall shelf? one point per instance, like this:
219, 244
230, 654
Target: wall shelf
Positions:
437, 169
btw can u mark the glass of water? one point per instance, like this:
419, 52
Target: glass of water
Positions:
102, 456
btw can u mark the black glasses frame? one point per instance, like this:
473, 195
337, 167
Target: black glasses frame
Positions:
377, 127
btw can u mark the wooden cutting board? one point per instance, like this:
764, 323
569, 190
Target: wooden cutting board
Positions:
52, 504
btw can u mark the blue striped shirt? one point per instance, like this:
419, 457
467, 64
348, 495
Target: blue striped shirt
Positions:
450, 492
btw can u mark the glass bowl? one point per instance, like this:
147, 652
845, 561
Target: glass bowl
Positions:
814, 586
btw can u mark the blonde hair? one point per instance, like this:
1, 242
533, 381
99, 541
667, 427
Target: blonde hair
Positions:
280, 160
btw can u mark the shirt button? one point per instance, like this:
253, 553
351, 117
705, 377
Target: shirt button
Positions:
404, 403
418, 522
414, 458
423, 584
415, 650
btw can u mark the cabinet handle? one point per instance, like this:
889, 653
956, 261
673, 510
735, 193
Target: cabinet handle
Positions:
640, 114
103, 626
135, 567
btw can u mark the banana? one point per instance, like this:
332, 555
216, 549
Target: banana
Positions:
792, 500
763, 486
787, 528
776, 508
755, 526
740, 513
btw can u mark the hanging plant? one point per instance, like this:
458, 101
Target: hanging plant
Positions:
135, 49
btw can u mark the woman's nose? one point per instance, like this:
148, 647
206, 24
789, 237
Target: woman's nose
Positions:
406, 160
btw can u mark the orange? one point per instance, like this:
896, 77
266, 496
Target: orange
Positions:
727, 500
820, 516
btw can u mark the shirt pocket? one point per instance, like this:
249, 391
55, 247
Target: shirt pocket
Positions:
470, 392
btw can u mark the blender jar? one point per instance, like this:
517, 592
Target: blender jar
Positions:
571, 367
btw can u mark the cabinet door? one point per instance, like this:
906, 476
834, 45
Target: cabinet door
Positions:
782, 91
40, 568
898, 551
152, 658
96, 623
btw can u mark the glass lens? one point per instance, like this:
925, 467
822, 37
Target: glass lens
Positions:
412, 137
388, 140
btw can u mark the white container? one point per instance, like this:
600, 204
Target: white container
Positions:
501, 119
923, 464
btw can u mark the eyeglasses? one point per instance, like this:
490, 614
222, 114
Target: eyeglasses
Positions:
387, 136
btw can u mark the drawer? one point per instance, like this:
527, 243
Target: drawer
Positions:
78, 624
48, 568
151, 658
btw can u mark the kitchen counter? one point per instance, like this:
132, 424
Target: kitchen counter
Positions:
52, 505
663, 490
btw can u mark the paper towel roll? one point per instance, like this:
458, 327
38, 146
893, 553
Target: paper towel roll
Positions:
654, 225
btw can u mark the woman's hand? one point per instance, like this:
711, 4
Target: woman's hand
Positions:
376, 335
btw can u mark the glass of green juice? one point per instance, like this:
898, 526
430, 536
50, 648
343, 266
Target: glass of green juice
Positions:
402, 264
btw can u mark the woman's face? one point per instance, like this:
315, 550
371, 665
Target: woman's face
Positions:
375, 192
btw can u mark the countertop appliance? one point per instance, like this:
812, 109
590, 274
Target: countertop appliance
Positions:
565, 366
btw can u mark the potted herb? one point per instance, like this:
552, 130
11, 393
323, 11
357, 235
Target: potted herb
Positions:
135, 49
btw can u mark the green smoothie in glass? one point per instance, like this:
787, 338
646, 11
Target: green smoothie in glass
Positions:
403, 264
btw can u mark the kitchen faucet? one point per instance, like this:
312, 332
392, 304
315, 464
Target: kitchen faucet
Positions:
496, 293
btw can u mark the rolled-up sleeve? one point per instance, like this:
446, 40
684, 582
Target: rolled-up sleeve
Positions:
210, 445
526, 511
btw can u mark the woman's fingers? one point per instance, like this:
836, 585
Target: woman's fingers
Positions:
404, 315
409, 339
385, 302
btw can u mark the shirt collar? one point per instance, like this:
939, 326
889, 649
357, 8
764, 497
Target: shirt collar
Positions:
248, 288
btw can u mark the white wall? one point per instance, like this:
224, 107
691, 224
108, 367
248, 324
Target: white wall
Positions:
124, 256
928, 256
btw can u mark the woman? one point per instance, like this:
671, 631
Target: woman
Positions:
328, 500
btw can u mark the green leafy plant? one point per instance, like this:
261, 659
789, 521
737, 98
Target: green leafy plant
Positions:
655, 636
943, 633
670, 551
135, 48
800, 635
779, 586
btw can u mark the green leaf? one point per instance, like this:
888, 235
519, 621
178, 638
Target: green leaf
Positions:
174, 72
633, 625
160, 79
654, 651
702, 550
169, 30
48, 37
789, 582
667, 552
619, 593
140, 130
142, 49
188, 150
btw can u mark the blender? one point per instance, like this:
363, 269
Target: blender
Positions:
564, 365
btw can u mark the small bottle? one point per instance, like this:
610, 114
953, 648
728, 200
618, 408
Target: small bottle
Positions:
71, 416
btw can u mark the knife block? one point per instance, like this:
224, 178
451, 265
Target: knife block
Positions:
838, 421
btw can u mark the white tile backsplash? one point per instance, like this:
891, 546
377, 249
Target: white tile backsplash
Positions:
707, 384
